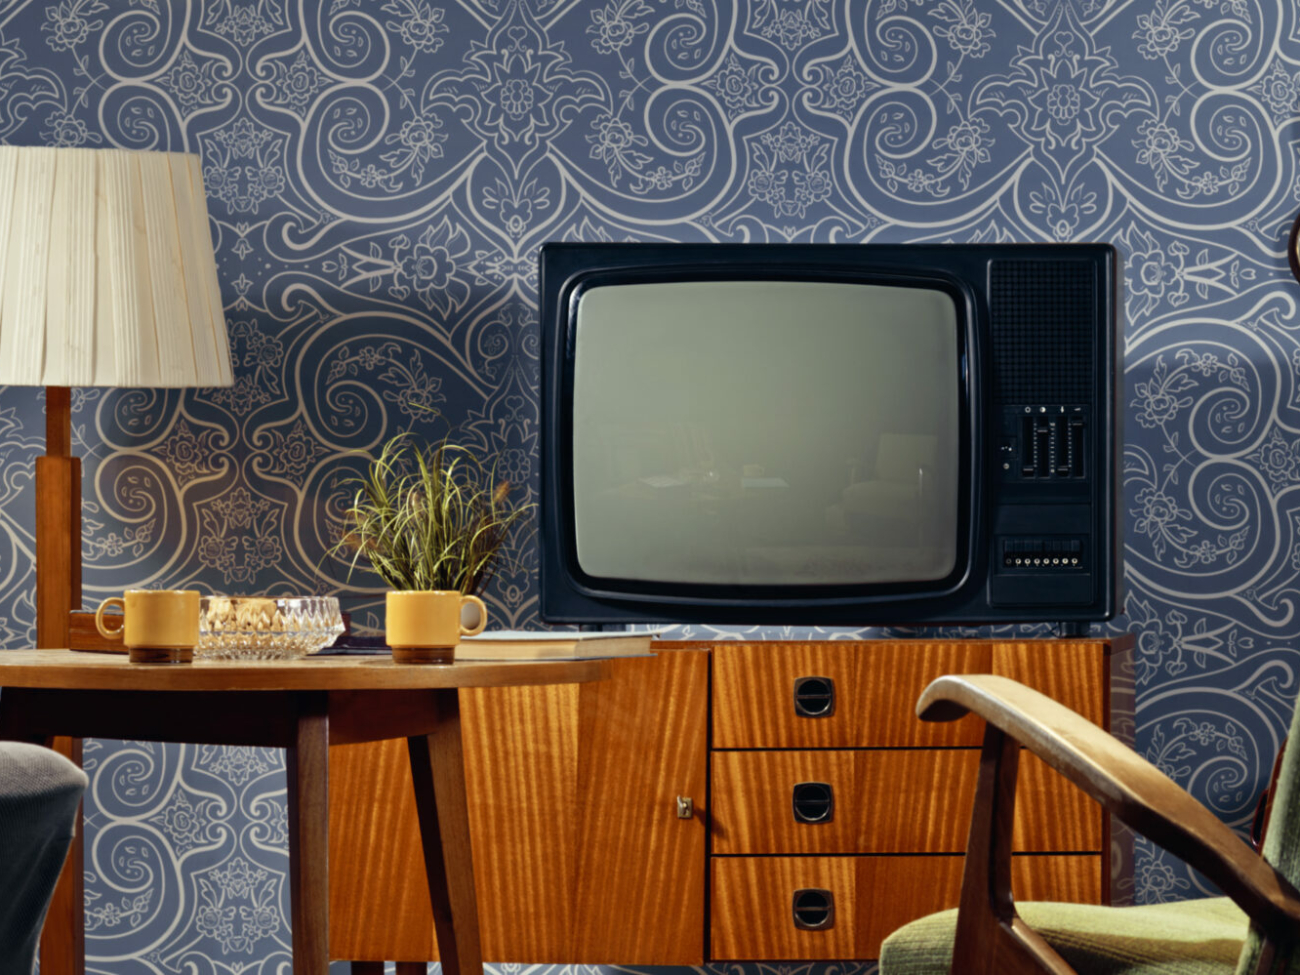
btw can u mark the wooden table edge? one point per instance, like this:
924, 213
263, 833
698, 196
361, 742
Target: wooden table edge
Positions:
67, 670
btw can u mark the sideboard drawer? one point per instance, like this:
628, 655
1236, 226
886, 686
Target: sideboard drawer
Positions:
882, 801
753, 807
753, 898
751, 908
875, 687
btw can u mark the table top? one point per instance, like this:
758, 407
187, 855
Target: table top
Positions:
69, 670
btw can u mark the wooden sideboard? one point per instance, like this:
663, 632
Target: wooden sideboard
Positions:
581, 852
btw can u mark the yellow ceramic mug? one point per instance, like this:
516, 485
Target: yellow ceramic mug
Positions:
425, 626
159, 625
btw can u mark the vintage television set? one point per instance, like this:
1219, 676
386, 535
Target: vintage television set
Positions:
830, 434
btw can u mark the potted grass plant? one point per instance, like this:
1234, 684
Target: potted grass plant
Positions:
432, 523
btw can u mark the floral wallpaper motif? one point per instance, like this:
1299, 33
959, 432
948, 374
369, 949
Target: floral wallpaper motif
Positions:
381, 174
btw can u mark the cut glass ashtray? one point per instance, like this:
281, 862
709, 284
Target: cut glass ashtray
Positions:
266, 628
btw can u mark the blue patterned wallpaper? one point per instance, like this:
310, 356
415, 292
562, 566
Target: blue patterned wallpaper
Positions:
381, 173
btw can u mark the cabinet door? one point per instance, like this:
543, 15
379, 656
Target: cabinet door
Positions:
520, 766
640, 880
578, 851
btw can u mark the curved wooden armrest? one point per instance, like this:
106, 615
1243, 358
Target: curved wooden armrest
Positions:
1126, 784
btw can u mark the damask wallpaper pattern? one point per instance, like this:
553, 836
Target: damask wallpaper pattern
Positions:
381, 173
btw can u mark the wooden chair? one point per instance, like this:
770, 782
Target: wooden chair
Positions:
1251, 931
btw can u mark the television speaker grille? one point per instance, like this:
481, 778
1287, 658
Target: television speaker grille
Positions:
1043, 324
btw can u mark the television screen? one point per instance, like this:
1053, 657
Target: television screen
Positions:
766, 432
829, 434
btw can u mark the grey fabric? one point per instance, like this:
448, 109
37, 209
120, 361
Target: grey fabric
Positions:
39, 793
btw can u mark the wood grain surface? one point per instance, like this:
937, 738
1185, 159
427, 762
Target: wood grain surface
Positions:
572, 815
640, 880
752, 802
886, 801
536, 831
895, 891
895, 672
919, 802
58, 566
1051, 812
751, 899
379, 898
1076, 676
523, 853
65, 669
877, 686
753, 688
83, 635
750, 908
521, 766
1074, 878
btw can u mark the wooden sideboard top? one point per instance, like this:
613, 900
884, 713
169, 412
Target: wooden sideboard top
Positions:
1118, 643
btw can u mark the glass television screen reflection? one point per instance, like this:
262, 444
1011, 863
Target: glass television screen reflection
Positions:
828, 434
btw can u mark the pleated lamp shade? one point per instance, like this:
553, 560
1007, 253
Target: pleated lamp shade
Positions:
107, 274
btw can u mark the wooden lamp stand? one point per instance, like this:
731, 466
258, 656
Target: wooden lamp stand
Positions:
58, 524
58, 593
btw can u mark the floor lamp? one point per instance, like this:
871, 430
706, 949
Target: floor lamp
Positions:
107, 278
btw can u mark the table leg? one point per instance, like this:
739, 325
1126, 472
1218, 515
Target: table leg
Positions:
438, 771
307, 768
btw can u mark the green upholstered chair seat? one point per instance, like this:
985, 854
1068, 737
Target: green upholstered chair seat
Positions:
1201, 937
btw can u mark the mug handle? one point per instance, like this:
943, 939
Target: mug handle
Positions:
104, 631
482, 616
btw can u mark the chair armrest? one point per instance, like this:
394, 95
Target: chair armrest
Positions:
1126, 784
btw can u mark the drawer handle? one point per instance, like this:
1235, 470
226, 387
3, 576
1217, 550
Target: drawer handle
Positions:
814, 697
813, 909
813, 802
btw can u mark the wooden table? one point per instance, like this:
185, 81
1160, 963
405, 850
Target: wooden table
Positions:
303, 706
